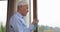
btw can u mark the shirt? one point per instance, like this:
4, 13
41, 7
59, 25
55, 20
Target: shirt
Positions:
17, 24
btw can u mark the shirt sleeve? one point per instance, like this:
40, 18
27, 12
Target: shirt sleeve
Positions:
15, 26
30, 29
22, 28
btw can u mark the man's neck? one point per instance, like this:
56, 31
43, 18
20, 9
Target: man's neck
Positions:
20, 13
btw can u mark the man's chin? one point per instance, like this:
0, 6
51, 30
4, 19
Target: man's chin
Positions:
24, 15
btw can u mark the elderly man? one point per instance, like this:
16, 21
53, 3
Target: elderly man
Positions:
17, 22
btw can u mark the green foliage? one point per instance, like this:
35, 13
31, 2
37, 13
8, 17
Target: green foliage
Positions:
47, 28
2, 28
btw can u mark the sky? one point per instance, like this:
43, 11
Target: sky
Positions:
3, 12
48, 12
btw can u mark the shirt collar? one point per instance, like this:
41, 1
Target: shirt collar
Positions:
19, 15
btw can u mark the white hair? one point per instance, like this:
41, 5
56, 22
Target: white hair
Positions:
23, 2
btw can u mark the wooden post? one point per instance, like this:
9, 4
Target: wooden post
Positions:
10, 11
35, 13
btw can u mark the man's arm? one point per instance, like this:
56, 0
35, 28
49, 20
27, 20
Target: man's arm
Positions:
31, 27
22, 28
18, 27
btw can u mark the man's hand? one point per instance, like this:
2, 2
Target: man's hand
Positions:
35, 21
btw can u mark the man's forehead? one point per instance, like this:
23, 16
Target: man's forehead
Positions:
24, 5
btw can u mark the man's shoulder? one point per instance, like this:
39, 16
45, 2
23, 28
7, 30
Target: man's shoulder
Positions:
15, 18
12, 19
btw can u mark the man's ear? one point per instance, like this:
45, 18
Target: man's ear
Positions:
20, 6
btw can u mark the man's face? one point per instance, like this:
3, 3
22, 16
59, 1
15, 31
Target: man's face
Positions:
23, 9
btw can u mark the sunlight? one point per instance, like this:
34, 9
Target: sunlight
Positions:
49, 12
3, 12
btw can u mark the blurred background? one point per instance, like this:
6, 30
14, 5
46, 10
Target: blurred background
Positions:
3, 15
48, 13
